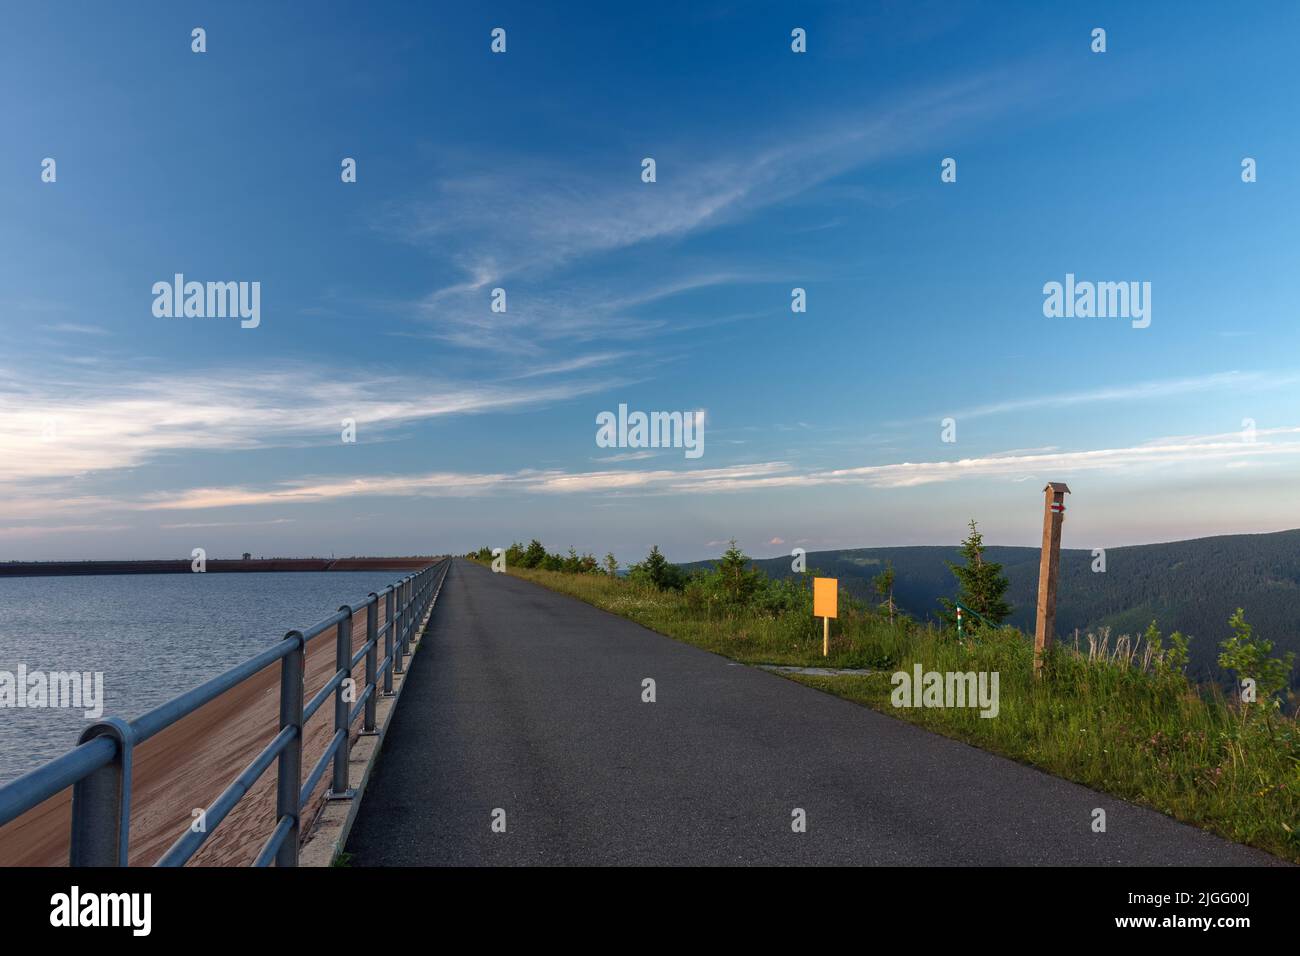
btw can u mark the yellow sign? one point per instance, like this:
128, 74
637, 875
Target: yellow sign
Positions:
826, 594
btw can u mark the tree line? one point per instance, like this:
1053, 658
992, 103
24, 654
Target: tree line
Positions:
734, 584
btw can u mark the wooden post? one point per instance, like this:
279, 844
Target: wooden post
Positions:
1049, 570
826, 637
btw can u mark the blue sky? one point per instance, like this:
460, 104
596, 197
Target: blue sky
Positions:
129, 435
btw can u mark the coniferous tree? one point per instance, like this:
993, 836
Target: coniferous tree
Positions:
534, 556
738, 579
657, 570
981, 585
884, 585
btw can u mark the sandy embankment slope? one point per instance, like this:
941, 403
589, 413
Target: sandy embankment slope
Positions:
188, 765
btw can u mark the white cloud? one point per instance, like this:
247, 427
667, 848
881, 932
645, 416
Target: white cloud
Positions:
38, 531
1142, 391
1183, 453
513, 223
628, 456
52, 427
224, 524
74, 328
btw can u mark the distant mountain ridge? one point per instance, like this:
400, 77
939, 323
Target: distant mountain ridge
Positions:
1190, 586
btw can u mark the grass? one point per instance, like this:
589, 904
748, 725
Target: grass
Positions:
1103, 718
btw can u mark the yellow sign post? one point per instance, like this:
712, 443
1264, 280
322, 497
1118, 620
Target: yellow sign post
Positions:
826, 598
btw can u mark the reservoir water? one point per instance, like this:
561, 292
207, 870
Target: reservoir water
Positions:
152, 635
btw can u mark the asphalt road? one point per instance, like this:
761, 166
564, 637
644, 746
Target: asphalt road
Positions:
527, 701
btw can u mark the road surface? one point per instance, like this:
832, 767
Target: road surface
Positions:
529, 702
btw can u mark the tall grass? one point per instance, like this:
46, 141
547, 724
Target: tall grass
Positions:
1107, 715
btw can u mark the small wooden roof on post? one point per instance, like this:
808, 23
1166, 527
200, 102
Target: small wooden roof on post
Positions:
1056, 486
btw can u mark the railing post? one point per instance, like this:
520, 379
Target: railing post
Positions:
388, 643
372, 662
399, 648
417, 606
420, 592
342, 662
101, 802
406, 618
289, 769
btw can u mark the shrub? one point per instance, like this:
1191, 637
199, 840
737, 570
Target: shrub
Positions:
1248, 656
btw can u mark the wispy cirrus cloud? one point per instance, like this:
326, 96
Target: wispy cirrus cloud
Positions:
516, 219
454, 485
225, 524
520, 223
541, 319
59, 426
1235, 381
1191, 451
40, 530
76, 328
1187, 453
1180, 451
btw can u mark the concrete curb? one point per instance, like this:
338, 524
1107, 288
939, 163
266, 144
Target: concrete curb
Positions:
329, 832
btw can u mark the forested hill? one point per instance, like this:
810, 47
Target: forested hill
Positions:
1191, 586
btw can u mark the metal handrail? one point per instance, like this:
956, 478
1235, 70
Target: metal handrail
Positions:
99, 768
970, 610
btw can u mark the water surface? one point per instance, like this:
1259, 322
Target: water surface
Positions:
152, 635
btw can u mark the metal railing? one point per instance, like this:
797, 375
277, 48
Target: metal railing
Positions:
963, 609
99, 768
